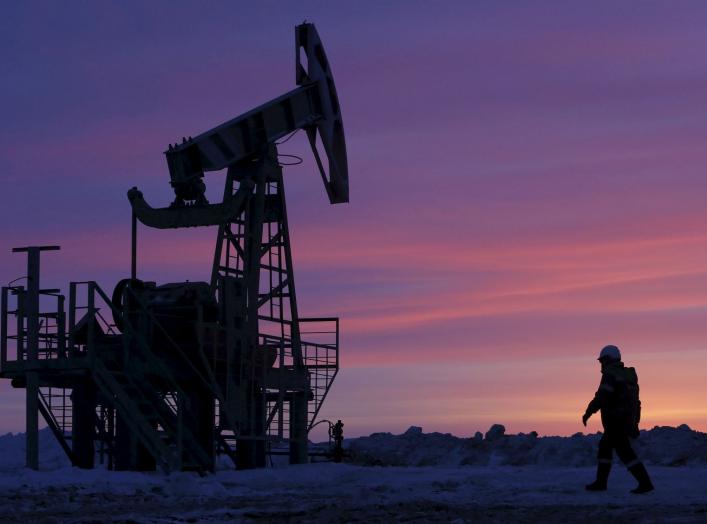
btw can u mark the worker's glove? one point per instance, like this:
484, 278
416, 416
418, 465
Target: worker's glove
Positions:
585, 417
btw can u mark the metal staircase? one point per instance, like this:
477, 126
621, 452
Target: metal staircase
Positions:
144, 421
156, 419
55, 407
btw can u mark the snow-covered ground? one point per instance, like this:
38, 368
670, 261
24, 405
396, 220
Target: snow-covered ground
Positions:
488, 489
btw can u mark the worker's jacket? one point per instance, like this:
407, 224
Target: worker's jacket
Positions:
618, 412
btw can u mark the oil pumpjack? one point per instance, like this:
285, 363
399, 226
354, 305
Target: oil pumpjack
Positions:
169, 375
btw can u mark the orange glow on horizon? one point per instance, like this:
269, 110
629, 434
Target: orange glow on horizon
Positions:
550, 200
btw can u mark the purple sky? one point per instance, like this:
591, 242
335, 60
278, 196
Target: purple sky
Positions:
527, 185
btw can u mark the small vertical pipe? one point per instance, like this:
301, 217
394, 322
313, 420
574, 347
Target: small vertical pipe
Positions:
180, 429
111, 436
20, 316
72, 317
3, 329
91, 316
101, 444
61, 327
133, 250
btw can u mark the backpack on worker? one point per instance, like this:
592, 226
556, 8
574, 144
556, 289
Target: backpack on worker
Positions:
632, 401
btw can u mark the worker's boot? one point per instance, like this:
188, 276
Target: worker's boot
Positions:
644, 481
603, 469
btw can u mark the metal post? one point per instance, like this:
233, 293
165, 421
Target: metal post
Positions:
32, 403
91, 316
3, 329
83, 413
299, 405
111, 435
180, 429
32, 423
72, 318
31, 307
102, 442
298, 428
61, 327
294, 314
133, 248
20, 325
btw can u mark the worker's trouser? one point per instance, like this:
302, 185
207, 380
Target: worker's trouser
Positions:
619, 441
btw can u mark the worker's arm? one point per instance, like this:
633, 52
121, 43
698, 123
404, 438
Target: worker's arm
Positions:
601, 397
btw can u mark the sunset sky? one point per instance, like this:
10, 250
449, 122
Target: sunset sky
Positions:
527, 185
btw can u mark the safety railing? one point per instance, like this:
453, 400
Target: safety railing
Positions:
14, 335
89, 305
320, 355
320, 352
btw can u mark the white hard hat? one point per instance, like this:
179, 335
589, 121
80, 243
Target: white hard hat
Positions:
611, 352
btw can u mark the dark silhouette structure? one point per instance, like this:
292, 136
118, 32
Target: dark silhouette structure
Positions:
337, 434
618, 400
168, 375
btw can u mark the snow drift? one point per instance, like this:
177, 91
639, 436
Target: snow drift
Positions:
662, 445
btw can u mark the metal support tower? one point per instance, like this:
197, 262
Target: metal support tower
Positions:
164, 375
31, 314
253, 262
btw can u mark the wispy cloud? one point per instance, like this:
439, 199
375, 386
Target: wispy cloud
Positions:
526, 182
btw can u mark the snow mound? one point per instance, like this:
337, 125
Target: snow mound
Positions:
12, 452
662, 445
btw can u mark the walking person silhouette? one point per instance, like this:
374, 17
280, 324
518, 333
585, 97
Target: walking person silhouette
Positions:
617, 399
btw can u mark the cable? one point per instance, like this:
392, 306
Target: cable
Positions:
287, 138
298, 160
13, 281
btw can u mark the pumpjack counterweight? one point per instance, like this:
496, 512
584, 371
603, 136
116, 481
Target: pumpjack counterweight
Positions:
170, 375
